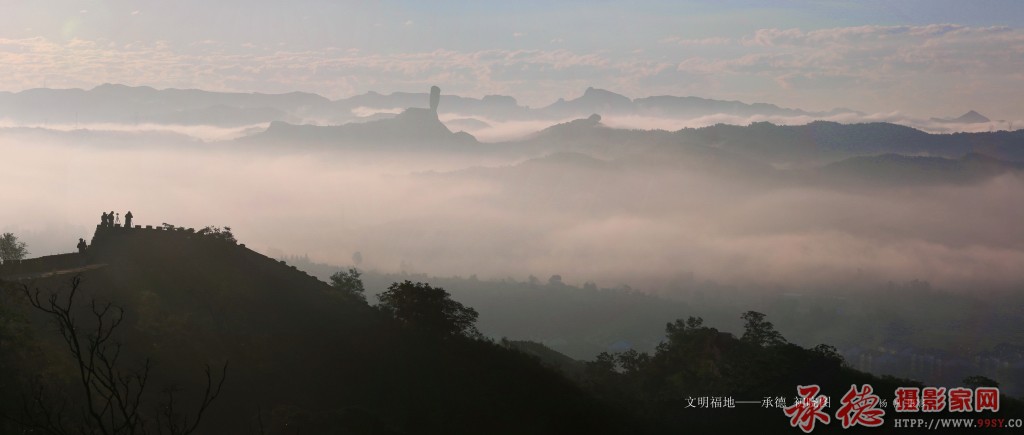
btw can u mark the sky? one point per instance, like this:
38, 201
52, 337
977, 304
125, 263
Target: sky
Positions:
926, 58
889, 59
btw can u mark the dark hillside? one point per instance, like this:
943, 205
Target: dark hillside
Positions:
302, 357
822, 141
305, 358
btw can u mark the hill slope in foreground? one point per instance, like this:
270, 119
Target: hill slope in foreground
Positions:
301, 357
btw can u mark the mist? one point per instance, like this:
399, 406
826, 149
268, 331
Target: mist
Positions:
497, 130
614, 222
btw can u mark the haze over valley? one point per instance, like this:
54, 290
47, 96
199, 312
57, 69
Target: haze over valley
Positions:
747, 204
393, 217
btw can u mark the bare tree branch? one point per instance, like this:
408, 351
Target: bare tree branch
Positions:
113, 395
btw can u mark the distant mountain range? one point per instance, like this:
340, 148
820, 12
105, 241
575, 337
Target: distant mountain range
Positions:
971, 117
610, 103
750, 149
895, 169
111, 103
411, 130
812, 144
881, 152
143, 104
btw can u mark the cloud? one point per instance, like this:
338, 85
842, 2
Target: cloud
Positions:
613, 223
363, 111
873, 68
208, 133
718, 40
531, 74
909, 68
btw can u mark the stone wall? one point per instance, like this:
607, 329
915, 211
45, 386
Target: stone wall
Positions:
39, 265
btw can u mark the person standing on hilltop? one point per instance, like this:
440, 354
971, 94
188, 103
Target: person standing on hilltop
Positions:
117, 221
81, 246
103, 219
110, 219
128, 219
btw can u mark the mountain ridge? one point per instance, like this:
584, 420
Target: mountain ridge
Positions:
134, 104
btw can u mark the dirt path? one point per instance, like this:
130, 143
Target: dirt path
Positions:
54, 273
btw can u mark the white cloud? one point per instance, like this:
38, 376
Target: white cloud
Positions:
718, 40
872, 68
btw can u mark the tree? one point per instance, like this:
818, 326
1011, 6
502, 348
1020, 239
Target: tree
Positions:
680, 327
11, 248
349, 283
978, 381
759, 331
430, 308
218, 233
829, 352
114, 396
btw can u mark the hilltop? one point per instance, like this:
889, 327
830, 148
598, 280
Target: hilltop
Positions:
411, 130
971, 117
301, 357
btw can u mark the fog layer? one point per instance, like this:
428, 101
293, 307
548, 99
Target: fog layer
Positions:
614, 222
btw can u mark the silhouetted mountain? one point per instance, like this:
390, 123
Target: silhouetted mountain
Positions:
592, 101
822, 141
692, 107
970, 117
466, 123
111, 103
304, 357
750, 152
497, 107
895, 169
143, 104
588, 135
414, 129
551, 358
610, 103
101, 138
577, 130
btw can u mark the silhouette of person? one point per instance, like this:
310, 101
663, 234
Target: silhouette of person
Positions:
110, 218
103, 219
118, 219
128, 219
81, 246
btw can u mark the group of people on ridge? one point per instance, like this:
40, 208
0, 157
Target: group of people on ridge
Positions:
111, 219
108, 220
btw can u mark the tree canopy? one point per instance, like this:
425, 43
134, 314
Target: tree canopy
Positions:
759, 331
349, 283
11, 248
218, 233
429, 308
